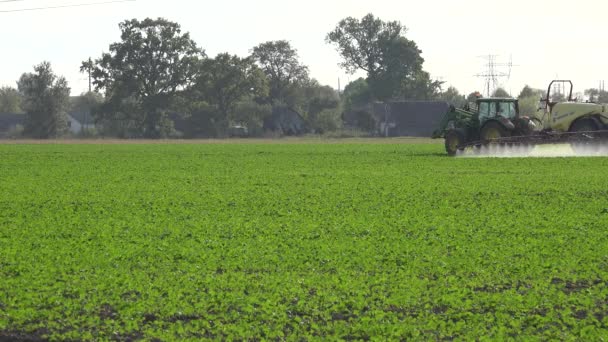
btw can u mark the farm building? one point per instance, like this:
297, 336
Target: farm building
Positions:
408, 118
9, 122
79, 121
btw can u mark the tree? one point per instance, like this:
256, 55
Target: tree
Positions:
86, 102
528, 106
143, 74
321, 106
392, 62
10, 100
84, 108
500, 92
46, 100
453, 97
252, 114
227, 80
597, 95
280, 63
356, 94
528, 91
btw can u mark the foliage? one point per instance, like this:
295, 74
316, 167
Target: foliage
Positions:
355, 101
86, 102
320, 98
528, 106
10, 100
251, 115
597, 95
226, 80
500, 92
528, 91
143, 73
46, 99
392, 62
299, 241
327, 120
203, 120
356, 94
453, 97
280, 63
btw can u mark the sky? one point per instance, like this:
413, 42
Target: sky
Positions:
544, 39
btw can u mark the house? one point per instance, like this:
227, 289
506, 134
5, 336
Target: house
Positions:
79, 121
9, 123
408, 118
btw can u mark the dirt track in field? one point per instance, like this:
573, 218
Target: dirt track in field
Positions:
223, 141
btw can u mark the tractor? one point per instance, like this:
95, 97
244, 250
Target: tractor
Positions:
489, 119
560, 119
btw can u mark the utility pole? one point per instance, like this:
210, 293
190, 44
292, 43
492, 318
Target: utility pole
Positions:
89, 67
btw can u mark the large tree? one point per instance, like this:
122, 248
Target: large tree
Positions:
528, 91
320, 106
226, 80
356, 94
392, 62
143, 73
46, 101
10, 100
280, 63
500, 92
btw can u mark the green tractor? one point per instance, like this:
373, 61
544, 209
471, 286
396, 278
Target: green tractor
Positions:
488, 120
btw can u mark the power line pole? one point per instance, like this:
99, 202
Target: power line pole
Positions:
89, 67
492, 74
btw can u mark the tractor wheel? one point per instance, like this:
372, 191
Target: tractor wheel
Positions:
453, 139
493, 130
585, 143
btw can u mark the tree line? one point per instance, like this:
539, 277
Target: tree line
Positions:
156, 74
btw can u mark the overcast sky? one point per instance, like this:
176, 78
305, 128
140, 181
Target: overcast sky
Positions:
546, 39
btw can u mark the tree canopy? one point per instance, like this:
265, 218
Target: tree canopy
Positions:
10, 100
228, 79
280, 63
453, 97
500, 92
528, 91
392, 62
144, 71
46, 99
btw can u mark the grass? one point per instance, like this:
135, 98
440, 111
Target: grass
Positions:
308, 240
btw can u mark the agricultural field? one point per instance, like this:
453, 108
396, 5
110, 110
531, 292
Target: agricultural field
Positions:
309, 241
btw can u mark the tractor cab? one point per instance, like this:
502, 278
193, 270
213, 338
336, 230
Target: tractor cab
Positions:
499, 118
497, 108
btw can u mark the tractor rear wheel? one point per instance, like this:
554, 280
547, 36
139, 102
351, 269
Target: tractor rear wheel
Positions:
453, 139
493, 130
584, 143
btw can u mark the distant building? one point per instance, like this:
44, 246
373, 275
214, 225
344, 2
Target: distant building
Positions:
408, 118
79, 121
9, 122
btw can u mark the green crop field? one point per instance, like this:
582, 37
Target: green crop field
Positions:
305, 241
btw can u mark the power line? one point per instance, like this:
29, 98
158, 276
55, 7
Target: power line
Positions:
10, 0
63, 6
492, 75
